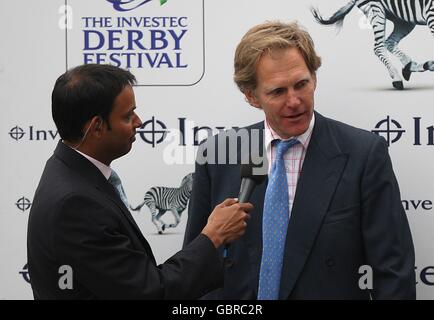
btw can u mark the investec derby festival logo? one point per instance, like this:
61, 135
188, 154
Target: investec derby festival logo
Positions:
127, 5
161, 42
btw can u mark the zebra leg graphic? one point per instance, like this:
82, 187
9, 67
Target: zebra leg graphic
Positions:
176, 216
157, 219
400, 30
429, 13
429, 65
377, 18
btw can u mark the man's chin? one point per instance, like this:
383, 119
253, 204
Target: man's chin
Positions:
125, 151
292, 130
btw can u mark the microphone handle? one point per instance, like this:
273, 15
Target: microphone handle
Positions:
246, 190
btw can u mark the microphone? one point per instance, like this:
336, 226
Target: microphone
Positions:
248, 182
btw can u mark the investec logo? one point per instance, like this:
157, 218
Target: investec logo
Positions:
127, 5
32, 133
160, 41
392, 130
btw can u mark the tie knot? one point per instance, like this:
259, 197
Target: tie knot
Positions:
283, 145
114, 179
116, 182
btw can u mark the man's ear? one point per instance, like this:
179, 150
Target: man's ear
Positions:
251, 98
96, 125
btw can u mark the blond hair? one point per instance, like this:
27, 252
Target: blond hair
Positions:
262, 39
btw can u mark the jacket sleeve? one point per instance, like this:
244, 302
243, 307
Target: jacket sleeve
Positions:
199, 207
91, 237
385, 229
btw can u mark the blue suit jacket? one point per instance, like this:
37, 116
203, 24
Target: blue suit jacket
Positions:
347, 213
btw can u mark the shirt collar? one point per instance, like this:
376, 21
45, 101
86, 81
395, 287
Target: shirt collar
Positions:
304, 138
105, 170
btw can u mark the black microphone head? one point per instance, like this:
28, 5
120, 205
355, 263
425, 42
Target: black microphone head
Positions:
247, 171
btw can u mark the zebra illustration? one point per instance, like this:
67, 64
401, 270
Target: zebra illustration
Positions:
405, 15
161, 199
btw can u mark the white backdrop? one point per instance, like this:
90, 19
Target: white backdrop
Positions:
197, 89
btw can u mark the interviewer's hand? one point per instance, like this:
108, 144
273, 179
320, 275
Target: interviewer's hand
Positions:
227, 222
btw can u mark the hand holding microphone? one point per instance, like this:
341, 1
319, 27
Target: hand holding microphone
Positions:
227, 222
248, 182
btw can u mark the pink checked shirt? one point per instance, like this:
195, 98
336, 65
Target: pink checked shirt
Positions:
294, 157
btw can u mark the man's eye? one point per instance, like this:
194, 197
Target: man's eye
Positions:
301, 84
278, 91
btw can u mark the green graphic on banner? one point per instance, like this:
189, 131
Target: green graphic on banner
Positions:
163, 2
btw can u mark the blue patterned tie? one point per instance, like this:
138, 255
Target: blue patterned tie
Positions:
274, 225
117, 184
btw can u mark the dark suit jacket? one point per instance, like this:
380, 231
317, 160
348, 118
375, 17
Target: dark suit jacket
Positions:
347, 213
78, 219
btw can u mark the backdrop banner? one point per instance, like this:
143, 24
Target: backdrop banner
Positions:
181, 52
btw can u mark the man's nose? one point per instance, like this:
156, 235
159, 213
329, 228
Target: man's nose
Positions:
138, 123
292, 99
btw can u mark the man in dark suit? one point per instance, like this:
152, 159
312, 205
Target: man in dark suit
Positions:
347, 236
83, 242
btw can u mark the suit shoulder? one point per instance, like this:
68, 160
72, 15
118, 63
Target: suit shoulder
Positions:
235, 132
352, 134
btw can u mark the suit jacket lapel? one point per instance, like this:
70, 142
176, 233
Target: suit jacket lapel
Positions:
253, 234
113, 195
321, 172
86, 169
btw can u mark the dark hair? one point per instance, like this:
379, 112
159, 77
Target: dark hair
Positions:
85, 92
